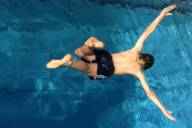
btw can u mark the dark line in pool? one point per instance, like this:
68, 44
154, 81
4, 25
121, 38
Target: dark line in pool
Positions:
6, 90
124, 4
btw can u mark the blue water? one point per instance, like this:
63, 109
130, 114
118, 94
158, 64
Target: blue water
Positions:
34, 31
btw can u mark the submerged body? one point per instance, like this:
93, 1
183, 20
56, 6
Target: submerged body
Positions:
100, 64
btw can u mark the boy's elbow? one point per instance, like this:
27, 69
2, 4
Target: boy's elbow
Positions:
150, 94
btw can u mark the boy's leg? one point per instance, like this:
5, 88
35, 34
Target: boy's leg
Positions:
89, 45
83, 51
68, 61
80, 66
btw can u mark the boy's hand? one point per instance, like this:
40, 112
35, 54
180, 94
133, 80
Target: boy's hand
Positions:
168, 9
169, 116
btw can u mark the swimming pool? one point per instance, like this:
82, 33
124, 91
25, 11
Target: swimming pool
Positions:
34, 31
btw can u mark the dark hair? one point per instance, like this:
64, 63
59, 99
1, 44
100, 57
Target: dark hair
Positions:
148, 60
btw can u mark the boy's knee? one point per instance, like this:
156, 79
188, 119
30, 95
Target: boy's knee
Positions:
79, 53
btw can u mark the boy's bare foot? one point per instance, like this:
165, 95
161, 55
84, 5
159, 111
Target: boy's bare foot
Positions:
66, 61
90, 44
94, 43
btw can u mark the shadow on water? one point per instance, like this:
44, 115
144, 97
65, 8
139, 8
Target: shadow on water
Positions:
108, 94
95, 103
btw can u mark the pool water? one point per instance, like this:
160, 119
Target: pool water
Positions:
34, 31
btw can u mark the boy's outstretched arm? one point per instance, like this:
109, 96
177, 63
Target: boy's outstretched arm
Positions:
139, 44
152, 96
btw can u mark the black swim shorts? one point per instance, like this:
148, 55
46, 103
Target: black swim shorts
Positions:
105, 64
